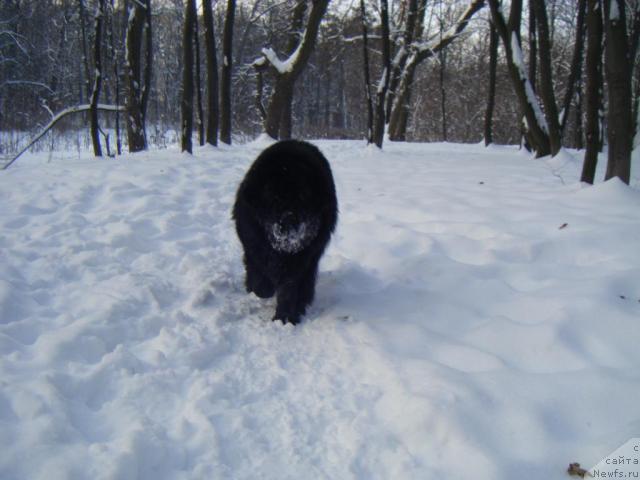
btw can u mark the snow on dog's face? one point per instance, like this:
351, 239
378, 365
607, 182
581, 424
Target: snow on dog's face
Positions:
289, 236
292, 220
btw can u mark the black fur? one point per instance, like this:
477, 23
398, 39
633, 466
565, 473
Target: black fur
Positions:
285, 213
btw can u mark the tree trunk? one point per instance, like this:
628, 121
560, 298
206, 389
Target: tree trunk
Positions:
533, 45
148, 66
633, 49
279, 103
593, 87
546, 76
443, 94
578, 141
491, 96
413, 29
212, 74
383, 86
288, 71
418, 53
97, 81
135, 123
227, 59
187, 76
537, 126
575, 70
286, 121
367, 78
618, 71
199, 116
115, 57
400, 111
259, 93
85, 55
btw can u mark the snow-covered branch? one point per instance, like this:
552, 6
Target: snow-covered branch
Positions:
427, 49
281, 66
59, 116
25, 82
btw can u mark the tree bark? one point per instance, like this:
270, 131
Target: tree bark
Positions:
618, 72
491, 95
134, 106
187, 77
634, 39
578, 141
367, 78
212, 74
115, 57
259, 93
97, 81
85, 55
381, 94
575, 70
413, 29
148, 66
419, 53
443, 94
533, 45
593, 87
287, 72
227, 63
509, 33
198, 82
546, 76
286, 122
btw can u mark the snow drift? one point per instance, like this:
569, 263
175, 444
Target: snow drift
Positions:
477, 316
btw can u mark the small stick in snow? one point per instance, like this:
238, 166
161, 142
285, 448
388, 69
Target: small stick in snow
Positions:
575, 470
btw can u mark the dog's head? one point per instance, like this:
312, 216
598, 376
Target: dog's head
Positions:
289, 214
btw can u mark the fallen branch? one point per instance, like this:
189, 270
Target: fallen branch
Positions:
56, 119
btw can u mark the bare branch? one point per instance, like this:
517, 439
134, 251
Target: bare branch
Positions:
59, 116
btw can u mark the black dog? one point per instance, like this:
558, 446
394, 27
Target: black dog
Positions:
285, 213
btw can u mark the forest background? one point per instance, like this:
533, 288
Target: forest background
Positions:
543, 73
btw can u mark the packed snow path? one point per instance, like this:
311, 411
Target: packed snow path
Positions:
477, 316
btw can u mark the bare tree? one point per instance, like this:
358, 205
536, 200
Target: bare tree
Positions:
533, 45
618, 73
379, 119
198, 82
413, 27
212, 74
575, 69
592, 89
418, 53
85, 56
367, 77
537, 127
148, 65
187, 76
227, 63
491, 94
114, 53
97, 80
634, 41
546, 76
135, 100
277, 121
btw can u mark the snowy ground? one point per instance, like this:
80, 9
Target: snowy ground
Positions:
477, 316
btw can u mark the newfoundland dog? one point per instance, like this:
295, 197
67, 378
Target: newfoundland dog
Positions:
285, 212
